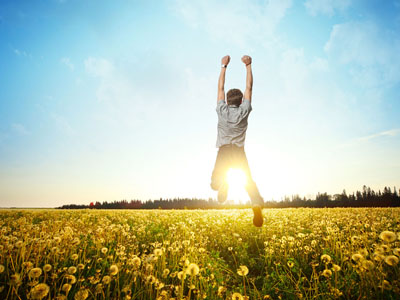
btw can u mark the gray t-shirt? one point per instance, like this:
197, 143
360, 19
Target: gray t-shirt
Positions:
232, 123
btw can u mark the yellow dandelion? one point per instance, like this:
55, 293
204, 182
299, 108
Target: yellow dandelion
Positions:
165, 273
326, 258
71, 270
369, 265
98, 289
81, 294
396, 251
114, 270
39, 291
2, 269
181, 275
19, 244
66, 288
327, 273
158, 252
290, 264
336, 268
136, 262
357, 257
386, 285
74, 256
192, 269
104, 250
106, 279
237, 296
35, 273
70, 278
81, 266
15, 279
388, 236
243, 271
230, 248
391, 260
47, 268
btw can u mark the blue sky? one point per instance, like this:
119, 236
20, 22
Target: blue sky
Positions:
111, 100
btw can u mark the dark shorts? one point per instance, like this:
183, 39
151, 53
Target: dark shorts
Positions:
232, 156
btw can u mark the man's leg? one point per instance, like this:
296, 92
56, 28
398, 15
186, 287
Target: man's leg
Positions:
218, 177
251, 188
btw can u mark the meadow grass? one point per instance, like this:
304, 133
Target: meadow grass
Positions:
337, 253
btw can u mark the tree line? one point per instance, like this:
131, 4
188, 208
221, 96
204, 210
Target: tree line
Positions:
364, 198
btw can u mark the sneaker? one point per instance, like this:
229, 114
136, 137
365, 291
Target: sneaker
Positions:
258, 217
223, 192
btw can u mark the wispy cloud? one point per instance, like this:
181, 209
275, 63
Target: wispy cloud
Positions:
387, 133
326, 7
67, 62
19, 128
98, 67
22, 53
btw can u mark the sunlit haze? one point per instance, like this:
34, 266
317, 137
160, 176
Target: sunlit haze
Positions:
111, 100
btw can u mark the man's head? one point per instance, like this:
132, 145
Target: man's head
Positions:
234, 97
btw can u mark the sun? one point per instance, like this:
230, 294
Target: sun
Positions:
236, 180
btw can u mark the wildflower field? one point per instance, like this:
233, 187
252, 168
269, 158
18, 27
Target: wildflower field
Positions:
337, 253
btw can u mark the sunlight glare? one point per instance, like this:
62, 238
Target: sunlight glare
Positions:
236, 179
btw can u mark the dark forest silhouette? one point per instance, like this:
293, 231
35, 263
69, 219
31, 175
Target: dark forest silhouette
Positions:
365, 198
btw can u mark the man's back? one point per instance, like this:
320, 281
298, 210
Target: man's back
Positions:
232, 123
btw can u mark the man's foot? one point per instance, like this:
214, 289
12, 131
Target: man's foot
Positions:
258, 217
223, 192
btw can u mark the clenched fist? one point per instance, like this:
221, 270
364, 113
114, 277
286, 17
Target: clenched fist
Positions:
225, 60
246, 59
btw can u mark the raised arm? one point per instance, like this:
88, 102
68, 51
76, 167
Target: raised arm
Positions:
249, 77
221, 81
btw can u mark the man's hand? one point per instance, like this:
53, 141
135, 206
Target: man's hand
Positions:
246, 60
225, 60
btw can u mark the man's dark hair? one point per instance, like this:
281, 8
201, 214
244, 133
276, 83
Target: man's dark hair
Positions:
234, 97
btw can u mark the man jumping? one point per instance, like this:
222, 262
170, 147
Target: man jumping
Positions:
232, 126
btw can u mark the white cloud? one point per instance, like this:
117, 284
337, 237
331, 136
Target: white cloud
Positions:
62, 124
67, 62
238, 21
19, 52
387, 133
19, 128
371, 54
326, 7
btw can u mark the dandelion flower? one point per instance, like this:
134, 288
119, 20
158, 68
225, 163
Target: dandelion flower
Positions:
1, 269
47, 268
369, 265
66, 287
388, 236
357, 257
386, 285
136, 262
158, 252
74, 256
19, 244
181, 275
39, 291
327, 273
104, 250
336, 268
326, 258
192, 269
81, 294
391, 260
114, 270
290, 264
15, 279
237, 296
106, 279
165, 273
396, 251
243, 271
81, 266
71, 278
71, 270
35, 273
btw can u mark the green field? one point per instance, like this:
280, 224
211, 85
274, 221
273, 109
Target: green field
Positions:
350, 253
